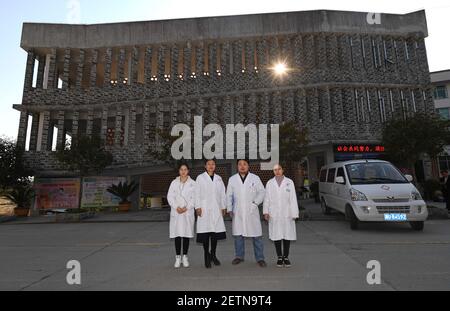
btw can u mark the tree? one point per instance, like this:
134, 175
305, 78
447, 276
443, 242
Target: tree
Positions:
163, 152
85, 155
293, 144
406, 139
13, 172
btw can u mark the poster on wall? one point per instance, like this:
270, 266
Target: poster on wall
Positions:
57, 193
94, 192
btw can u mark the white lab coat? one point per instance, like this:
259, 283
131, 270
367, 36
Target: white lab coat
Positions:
281, 204
243, 201
210, 197
181, 195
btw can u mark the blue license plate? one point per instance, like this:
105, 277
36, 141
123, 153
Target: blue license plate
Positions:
395, 217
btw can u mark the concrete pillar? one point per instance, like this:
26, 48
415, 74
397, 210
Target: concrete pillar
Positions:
89, 122
146, 123
121, 66
66, 70
51, 78
29, 70
134, 66
148, 65
44, 122
93, 74
61, 138
40, 72
159, 120
213, 115
173, 113
187, 112
200, 59
75, 120
161, 62
132, 125
80, 68
118, 127
126, 126
23, 126
34, 131
252, 111
289, 108
104, 124
301, 108
108, 63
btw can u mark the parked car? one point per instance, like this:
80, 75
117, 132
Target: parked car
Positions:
371, 190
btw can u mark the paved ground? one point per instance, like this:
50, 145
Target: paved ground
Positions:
139, 256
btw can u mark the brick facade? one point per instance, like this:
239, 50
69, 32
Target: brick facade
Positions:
341, 86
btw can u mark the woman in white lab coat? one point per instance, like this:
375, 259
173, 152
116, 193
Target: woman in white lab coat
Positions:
181, 198
210, 207
281, 210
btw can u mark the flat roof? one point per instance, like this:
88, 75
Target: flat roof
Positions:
442, 76
42, 35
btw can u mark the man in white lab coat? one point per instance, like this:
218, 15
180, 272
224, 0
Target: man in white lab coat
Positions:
245, 192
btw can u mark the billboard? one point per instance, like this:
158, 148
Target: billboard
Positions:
94, 192
57, 193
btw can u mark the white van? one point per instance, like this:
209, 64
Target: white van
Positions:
371, 190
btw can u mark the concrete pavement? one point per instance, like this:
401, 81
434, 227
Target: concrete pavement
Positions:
139, 256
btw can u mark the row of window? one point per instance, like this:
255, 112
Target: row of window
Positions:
331, 174
440, 92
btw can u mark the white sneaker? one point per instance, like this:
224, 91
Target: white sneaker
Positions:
177, 261
185, 261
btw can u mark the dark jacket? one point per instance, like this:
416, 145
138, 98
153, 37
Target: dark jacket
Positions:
445, 186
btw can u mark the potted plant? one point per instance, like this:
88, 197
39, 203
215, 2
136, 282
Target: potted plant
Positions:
21, 196
123, 191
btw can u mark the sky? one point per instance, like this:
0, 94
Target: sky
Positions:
14, 13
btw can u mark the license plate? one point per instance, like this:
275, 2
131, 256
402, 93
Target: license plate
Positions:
395, 217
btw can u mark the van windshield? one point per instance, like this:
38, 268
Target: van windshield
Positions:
374, 173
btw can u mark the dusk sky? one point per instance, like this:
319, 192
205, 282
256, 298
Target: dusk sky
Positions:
14, 13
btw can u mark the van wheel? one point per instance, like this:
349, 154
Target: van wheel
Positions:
417, 225
325, 208
351, 217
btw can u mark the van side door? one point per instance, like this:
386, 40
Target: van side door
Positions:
341, 190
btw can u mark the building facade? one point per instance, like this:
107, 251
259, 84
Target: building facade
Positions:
125, 81
441, 83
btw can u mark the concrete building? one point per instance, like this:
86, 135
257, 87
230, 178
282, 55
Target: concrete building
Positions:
124, 81
441, 83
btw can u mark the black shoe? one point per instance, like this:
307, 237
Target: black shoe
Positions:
280, 262
286, 262
215, 260
262, 264
237, 261
207, 261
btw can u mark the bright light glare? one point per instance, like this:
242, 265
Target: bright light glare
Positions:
280, 69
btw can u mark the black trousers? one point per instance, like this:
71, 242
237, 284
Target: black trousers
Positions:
286, 246
178, 245
213, 245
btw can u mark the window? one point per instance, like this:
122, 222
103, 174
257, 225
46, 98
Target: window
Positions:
444, 113
440, 92
323, 175
331, 173
340, 173
374, 173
